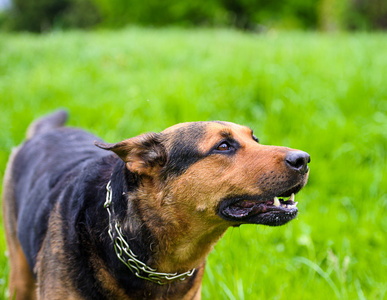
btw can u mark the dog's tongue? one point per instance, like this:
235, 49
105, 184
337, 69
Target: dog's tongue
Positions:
244, 208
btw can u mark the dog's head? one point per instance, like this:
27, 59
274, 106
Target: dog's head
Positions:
215, 172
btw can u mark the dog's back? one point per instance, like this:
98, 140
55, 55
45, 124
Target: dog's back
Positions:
32, 186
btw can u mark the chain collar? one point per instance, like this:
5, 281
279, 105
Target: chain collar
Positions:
129, 259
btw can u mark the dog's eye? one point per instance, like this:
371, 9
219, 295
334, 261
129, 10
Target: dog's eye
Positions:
223, 147
226, 147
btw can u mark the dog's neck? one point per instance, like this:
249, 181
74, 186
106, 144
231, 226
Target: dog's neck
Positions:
165, 242
126, 255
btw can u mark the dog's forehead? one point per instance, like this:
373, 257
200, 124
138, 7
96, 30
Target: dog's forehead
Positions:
208, 127
202, 135
228, 129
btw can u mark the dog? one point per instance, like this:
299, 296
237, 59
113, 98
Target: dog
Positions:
85, 219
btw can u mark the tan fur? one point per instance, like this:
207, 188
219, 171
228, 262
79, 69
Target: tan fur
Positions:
107, 280
195, 292
22, 285
53, 280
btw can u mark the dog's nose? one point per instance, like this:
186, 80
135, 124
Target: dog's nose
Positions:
298, 160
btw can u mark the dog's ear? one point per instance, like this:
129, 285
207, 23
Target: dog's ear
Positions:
143, 154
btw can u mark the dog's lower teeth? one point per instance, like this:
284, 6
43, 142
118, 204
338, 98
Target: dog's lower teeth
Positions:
292, 206
277, 202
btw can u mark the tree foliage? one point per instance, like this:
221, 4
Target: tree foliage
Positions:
327, 15
44, 15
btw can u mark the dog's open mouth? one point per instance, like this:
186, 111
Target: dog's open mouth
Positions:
273, 212
245, 208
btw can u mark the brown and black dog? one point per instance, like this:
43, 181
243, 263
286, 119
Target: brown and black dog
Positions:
136, 221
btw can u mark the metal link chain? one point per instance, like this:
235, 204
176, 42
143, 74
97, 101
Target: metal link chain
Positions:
129, 259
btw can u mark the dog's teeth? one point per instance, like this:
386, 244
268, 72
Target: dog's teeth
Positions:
292, 197
292, 206
276, 202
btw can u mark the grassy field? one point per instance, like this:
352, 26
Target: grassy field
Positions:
325, 94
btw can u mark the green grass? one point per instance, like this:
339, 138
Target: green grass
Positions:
325, 94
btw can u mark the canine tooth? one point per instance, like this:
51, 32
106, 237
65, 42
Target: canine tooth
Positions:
292, 197
276, 202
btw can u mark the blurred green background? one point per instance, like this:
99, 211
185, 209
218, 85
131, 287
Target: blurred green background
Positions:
304, 74
255, 15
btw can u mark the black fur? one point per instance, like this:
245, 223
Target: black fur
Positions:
184, 152
47, 171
